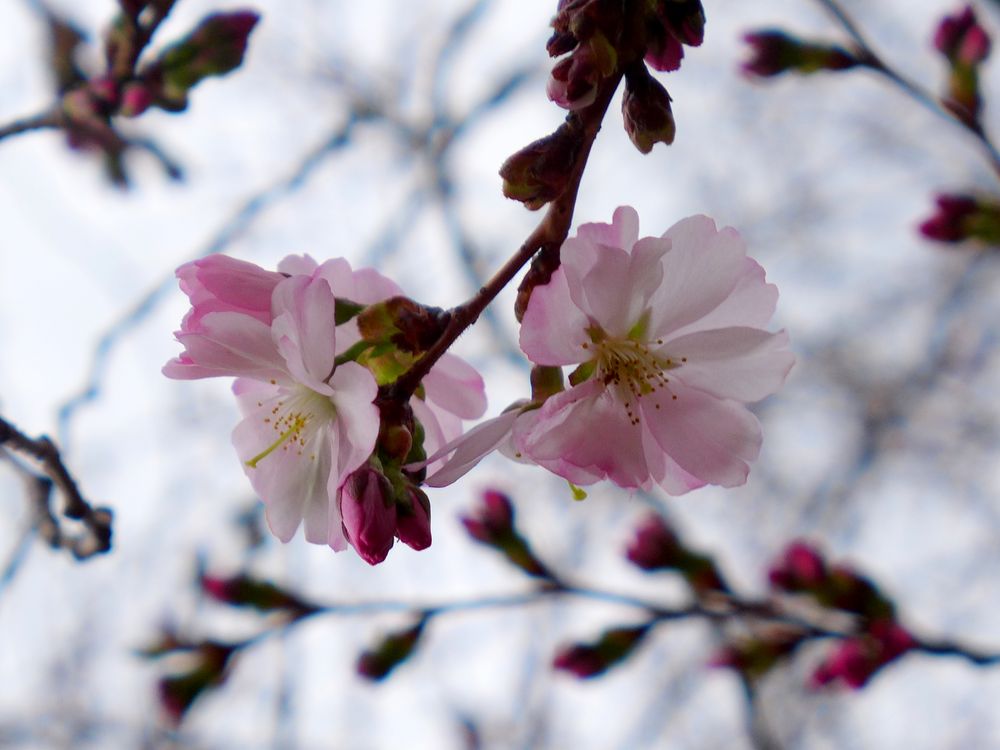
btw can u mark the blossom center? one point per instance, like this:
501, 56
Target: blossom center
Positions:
630, 368
295, 419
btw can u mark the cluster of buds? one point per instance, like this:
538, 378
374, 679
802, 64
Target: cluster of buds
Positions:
493, 525
599, 41
965, 45
773, 52
877, 637
655, 546
127, 87
964, 217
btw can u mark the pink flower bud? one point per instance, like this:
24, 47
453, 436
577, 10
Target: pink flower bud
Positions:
136, 99
774, 52
654, 547
105, 91
413, 520
800, 568
962, 39
369, 514
949, 224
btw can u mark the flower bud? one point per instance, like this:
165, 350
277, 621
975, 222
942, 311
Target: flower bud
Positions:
655, 546
574, 80
369, 514
773, 52
248, 592
136, 99
664, 51
962, 39
683, 19
540, 171
393, 650
801, 568
591, 660
646, 110
413, 519
493, 525
546, 382
406, 324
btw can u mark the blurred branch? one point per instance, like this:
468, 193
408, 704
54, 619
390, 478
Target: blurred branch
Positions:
41, 121
96, 521
869, 58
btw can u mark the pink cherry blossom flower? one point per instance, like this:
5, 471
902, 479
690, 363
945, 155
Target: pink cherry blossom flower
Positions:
668, 336
453, 390
307, 423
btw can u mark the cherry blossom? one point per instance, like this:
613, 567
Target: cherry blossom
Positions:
668, 337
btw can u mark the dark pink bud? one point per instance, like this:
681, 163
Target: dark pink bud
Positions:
683, 20
773, 52
369, 514
413, 520
105, 91
582, 661
949, 224
894, 639
590, 660
800, 568
850, 662
136, 99
962, 39
664, 51
655, 546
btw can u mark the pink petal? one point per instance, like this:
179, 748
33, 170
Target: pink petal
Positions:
701, 270
622, 232
357, 423
227, 343
745, 364
710, 438
297, 265
751, 303
291, 479
456, 386
304, 329
553, 331
471, 448
584, 434
227, 284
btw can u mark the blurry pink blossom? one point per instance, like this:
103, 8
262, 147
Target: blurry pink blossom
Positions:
668, 336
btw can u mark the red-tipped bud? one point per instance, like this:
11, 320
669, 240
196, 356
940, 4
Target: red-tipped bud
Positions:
136, 99
393, 650
591, 660
243, 591
574, 79
683, 19
655, 546
413, 519
774, 52
646, 110
493, 525
962, 39
801, 568
664, 51
369, 514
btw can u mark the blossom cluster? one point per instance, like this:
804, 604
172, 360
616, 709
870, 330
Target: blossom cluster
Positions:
666, 336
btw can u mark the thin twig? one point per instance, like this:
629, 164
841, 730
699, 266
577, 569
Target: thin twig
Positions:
42, 121
870, 59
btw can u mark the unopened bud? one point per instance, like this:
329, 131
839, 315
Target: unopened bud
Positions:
646, 110
413, 519
136, 99
393, 650
654, 546
683, 19
962, 39
546, 382
540, 171
774, 52
591, 660
369, 514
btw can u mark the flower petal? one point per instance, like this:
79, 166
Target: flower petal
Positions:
553, 331
710, 438
357, 422
745, 364
304, 329
456, 386
471, 448
701, 270
227, 343
584, 434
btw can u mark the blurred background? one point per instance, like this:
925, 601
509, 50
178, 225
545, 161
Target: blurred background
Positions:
374, 131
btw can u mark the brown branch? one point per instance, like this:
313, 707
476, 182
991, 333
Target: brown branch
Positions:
552, 230
49, 120
97, 521
869, 58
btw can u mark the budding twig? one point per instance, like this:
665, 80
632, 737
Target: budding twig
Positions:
870, 59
